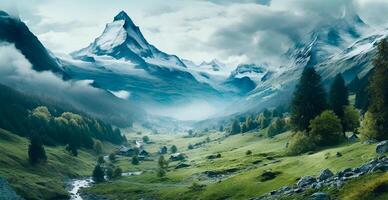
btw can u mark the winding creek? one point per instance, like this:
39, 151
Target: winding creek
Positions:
76, 185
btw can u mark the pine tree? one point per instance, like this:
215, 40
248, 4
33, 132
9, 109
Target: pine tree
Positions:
309, 99
173, 149
98, 174
339, 96
235, 127
163, 164
36, 152
135, 160
378, 90
221, 129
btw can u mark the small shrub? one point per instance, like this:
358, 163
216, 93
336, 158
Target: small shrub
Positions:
146, 139
161, 172
277, 127
299, 143
109, 173
351, 120
326, 129
367, 129
190, 147
249, 152
112, 157
100, 160
196, 187
117, 172
135, 160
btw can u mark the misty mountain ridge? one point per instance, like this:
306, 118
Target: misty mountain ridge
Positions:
144, 74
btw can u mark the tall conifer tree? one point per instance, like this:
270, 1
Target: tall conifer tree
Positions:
309, 99
378, 90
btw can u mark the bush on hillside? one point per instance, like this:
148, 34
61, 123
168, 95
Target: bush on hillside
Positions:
351, 119
326, 129
135, 160
109, 173
146, 139
277, 127
117, 172
367, 130
196, 187
300, 143
112, 157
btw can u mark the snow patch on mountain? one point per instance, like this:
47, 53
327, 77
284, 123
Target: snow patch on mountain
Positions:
254, 72
113, 35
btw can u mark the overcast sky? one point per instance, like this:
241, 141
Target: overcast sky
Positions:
229, 30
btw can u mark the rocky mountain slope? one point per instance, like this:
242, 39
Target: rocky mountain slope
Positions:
345, 46
141, 72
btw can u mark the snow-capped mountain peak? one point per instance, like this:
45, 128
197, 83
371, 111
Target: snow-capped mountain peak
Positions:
214, 65
121, 38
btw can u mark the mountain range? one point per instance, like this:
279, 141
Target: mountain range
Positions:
122, 62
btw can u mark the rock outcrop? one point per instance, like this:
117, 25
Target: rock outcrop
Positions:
382, 147
326, 179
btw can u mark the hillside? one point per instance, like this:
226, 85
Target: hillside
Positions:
40, 182
235, 175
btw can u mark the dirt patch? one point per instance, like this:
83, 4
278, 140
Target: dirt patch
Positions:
220, 173
257, 162
268, 175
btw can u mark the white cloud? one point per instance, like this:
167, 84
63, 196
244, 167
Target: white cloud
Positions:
194, 29
17, 72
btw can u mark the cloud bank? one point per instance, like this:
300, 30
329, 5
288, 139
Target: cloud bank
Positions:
17, 72
233, 31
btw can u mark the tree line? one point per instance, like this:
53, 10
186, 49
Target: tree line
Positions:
321, 119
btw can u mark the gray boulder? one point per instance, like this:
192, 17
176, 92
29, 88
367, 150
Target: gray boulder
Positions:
305, 181
319, 196
6, 192
325, 174
382, 147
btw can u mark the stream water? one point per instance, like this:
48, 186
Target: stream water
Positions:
77, 184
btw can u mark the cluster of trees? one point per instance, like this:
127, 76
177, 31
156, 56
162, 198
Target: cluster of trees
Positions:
71, 129
320, 119
23, 115
164, 149
273, 119
104, 170
375, 123
110, 172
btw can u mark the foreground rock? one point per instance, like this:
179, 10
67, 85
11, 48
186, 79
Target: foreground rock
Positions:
326, 179
319, 196
382, 147
6, 192
325, 174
